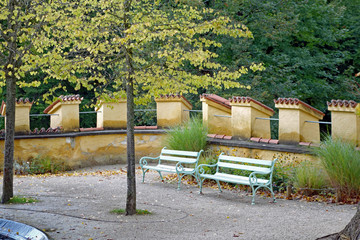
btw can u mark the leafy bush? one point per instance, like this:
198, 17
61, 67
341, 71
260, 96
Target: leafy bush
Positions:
191, 136
39, 165
342, 163
310, 175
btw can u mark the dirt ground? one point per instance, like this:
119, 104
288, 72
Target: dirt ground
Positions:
78, 205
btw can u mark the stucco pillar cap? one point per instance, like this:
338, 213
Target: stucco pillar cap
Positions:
249, 102
342, 105
216, 102
294, 103
18, 103
69, 99
174, 98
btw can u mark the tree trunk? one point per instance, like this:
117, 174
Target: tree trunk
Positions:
350, 232
8, 191
131, 180
11, 63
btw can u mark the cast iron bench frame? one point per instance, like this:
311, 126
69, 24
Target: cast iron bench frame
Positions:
183, 163
254, 168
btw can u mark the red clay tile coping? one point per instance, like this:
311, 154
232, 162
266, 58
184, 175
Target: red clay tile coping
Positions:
211, 135
145, 127
220, 136
228, 137
217, 99
176, 96
296, 101
17, 101
90, 129
305, 144
342, 103
265, 140
68, 98
255, 139
49, 130
248, 100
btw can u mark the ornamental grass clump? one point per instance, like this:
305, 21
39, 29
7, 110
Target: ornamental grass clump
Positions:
310, 177
342, 163
190, 136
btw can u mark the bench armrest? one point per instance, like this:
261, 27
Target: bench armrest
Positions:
253, 177
200, 169
143, 161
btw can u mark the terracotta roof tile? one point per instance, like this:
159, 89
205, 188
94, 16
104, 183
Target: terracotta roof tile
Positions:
295, 101
342, 103
228, 137
90, 129
211, 135
236, 99
255, 139
265, 140
220, 136
274, 141
68, 98
45, 131
217, 99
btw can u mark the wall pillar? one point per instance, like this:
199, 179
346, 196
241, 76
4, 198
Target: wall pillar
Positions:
293, 121
170, 110
216, 114
345, 123
112, 115
66, 113
245, 112
22, 115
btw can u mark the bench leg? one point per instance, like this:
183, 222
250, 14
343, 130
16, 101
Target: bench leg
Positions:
253, 194
272, 193
218, 183
179, 182
200, 184
160, 175
144, 171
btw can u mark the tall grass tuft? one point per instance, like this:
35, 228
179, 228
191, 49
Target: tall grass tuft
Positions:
190, 136
342, 163
310, 175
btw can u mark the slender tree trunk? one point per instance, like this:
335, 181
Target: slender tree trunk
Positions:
11, 63
131, 180
8, 191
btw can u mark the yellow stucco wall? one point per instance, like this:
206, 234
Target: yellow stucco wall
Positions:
112, 115
22, 119
244, 122
216, 125
84, 151
309, 132
170, 111
289, 128
346, 125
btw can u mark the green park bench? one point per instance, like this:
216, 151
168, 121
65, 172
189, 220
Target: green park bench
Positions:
174, 161
252, 172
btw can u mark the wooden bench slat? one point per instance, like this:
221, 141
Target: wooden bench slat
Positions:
180, 153
232, 178
246, 160
178, 159
166, 168
244, 167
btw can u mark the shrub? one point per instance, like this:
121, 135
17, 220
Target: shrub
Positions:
191, 136
39, 165
342, 163
310, 175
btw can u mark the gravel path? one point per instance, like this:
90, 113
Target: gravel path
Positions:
77, 207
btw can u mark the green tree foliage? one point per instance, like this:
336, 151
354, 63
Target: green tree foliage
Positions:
143, 48
301, 44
